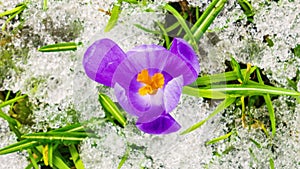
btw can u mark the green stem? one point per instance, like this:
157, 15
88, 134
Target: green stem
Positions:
164, 33
206, 19
45, 5
220, 77
12, 124
147, 30
75, 157
11, 101
7, 95
10, 120
182, 22
223, 105
269, 105
237, 90
32, 159
197, 12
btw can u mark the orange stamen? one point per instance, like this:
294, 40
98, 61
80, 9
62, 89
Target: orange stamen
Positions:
152, 84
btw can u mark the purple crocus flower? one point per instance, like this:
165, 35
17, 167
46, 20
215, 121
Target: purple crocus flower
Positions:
147, 80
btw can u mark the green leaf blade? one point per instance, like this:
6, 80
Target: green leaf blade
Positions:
50, 154
164, 33
247, 8
206, 19
147, 30
223, 105
32, 159
116, 10
131, 1
272, 165
182, 22
215, 140
71, 128
58, 161
206, 93
110, 107
124, 158
75, 157
19, 146
60, 137
64, 46
12, 11
220, 77
269, 105
296, 50
11, 101
45, 5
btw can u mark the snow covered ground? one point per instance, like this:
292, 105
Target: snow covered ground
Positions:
56, 83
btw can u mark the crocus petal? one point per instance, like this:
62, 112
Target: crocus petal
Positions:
152, 57
155, 104
156, 109
142, 103
122, 97
172, 93
155, 57
164, 124
101, 60
183, 50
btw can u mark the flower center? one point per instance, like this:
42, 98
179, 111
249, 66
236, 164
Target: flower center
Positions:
151, 83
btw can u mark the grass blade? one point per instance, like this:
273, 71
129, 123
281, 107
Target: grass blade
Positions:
237, 69
31, 165
237, 90
258, 145
12, 16
197, 12
124, 158
168, 29
202, 17
50, 154
205, 20
58, 161
269, 105
220, 77
272, 165
165, 34
25, 144
75, 157
182, 22
247, 8
223, 105
19, 146
45, 5
116, 10
37, 150
61, 137
206, 93
71, 128
131, 1
65, 46
12, 11
33, 161
110, 107
215, 140
11, 101
10, 120
248, 73
174, 26
147, 30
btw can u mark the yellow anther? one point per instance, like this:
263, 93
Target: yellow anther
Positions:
152, 84
144, 77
